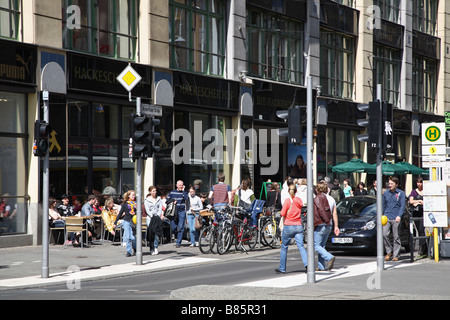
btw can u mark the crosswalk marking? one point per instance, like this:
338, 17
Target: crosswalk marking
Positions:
287, 281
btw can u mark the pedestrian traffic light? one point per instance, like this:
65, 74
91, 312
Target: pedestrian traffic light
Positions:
41, 133
294, 132
140, 132
371, 123
388, 127
154, 135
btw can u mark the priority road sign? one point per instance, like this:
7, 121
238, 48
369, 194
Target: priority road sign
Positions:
129, 78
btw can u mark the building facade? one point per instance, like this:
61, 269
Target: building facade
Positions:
219, 70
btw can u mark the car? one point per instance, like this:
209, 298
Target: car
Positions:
358, 227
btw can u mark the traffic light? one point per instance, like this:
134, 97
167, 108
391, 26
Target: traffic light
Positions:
372, 124
294, 132
41, 132
140, 132
388, 126
154, 135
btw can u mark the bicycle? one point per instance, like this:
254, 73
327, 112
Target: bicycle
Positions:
270, 232
218, 243
238, 231
205, 237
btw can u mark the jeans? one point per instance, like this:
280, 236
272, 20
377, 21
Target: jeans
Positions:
192, 232
321, 233
128, 236
289, 232
178, 226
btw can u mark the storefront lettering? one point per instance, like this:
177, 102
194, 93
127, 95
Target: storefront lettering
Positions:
271, 102
12, 72
206, 92
95, 75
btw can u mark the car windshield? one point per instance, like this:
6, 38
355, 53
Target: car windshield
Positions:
356, 206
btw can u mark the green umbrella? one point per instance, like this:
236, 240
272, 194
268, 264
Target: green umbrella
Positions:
412, 169
388, 169
354, 165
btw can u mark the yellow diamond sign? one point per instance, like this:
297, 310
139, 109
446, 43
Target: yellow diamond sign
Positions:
129, 78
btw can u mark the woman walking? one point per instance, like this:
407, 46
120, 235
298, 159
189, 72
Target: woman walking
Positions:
291, 213
153, 206
127, 211
195, 205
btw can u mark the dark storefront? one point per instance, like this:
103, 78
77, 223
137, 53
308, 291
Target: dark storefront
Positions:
91, 128
17, 82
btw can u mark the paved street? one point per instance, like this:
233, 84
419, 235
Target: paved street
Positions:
186, 274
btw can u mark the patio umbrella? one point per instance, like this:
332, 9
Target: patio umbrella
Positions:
354, 165
388, 169
412, 169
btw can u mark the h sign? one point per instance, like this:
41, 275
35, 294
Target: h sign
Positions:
433, 133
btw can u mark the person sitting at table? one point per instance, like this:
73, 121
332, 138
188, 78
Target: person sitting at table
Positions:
55, 219
109, 214
87, 211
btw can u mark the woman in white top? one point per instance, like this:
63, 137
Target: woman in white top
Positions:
195, 205
153, 207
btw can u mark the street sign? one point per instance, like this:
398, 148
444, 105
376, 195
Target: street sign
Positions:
435, 204
152, 110
129, 78
433, 134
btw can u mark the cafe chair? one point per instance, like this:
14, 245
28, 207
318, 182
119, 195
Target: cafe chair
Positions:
76, 224
53, 228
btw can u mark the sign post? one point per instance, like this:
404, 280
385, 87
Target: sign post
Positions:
435, 190
129, 78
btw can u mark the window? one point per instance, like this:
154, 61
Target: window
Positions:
337, 64
342, 146
9, 19
275, 47
348, 3
197, 36
13, 163
425, 15
386, 71
390, 9
106, 27
425, 72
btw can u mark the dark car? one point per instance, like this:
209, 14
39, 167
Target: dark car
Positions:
358, 227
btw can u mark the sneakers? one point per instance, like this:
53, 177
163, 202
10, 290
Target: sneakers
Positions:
154, 252
279, 271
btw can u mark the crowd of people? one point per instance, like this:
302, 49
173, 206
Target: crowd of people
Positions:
290, 199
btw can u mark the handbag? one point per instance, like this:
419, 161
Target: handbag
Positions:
198, 222
171, 210
281, 226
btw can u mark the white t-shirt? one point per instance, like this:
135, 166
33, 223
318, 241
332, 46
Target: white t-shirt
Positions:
332, 204
245, 195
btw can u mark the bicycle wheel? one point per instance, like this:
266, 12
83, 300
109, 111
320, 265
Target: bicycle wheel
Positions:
204, 240
247, 237
270, 235
224, 239
213, 240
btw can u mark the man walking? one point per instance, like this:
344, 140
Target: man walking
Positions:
180, 198
393, 208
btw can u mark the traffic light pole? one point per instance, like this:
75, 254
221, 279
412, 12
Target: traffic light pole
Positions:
138, 198
380, 245
45, 197
310, 188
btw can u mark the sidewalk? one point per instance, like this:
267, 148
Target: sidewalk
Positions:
424, 279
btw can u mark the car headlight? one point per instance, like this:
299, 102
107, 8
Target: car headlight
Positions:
369, 225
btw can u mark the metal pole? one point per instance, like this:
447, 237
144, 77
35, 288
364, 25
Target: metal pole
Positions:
139, 199
45, 196
380, 245
310, 179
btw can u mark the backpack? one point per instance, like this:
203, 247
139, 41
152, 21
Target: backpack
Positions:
336, 194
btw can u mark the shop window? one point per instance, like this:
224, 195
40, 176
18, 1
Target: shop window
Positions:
13, 163
9, 19
106, 27
197, 36
275, 47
